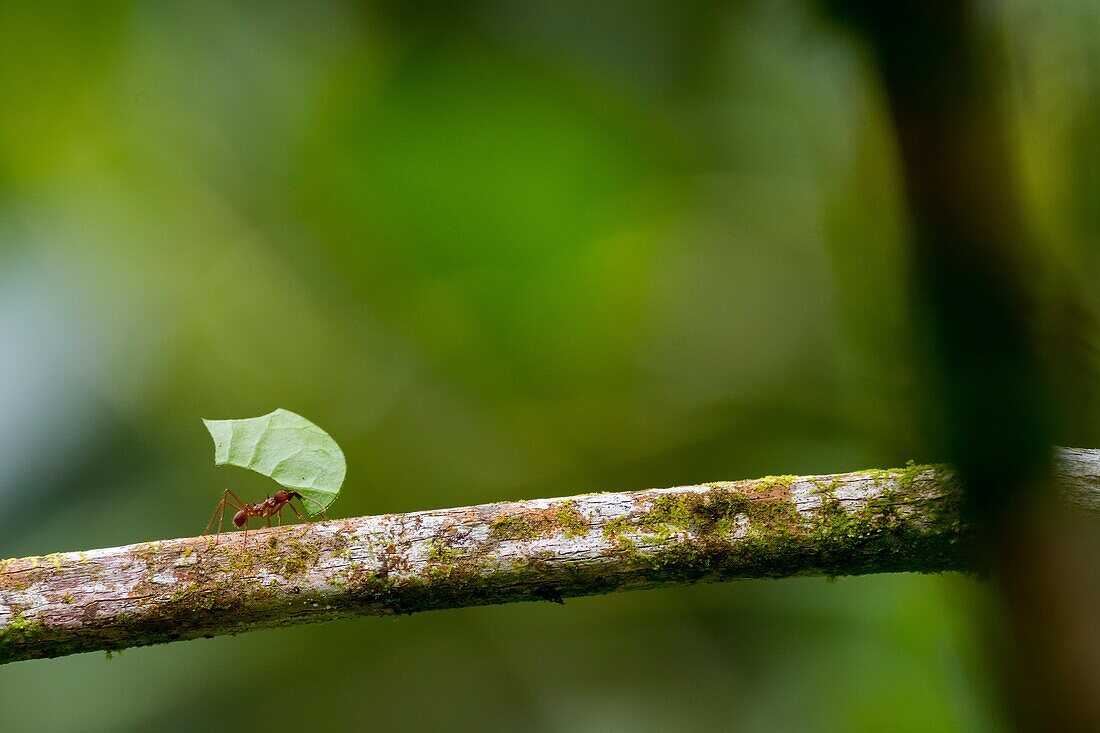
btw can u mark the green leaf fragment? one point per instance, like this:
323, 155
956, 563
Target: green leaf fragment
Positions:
287, 448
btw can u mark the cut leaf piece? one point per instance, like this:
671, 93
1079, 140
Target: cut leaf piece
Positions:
287, 448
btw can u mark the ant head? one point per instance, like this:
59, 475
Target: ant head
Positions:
285, 495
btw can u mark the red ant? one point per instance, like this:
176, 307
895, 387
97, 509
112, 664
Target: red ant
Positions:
270, 507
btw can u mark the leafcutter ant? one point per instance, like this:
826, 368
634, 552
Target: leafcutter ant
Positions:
270, 507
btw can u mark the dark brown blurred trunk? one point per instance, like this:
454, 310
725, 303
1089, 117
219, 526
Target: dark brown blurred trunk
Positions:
976, 291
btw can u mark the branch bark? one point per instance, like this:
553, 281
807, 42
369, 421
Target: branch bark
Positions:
545, 549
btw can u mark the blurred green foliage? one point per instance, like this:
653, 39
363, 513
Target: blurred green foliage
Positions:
499, 251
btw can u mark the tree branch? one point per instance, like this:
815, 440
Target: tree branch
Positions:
545, 549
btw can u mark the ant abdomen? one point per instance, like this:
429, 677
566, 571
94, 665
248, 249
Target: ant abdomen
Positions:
240, 518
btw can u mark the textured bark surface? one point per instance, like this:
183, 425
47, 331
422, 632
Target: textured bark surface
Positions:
545, 549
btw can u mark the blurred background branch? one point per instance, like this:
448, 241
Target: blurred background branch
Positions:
996, 343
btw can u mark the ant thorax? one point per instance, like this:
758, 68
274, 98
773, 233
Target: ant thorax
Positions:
268, 507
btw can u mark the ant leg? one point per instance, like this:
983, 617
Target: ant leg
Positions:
219, 514
240, 504
296, 512
221, 521
220, 508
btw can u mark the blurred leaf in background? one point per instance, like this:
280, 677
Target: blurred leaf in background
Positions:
503, 251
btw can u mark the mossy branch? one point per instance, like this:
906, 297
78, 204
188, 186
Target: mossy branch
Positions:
905, 520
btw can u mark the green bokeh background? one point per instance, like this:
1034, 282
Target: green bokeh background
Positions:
498, 251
